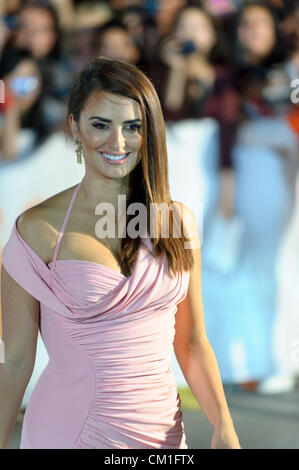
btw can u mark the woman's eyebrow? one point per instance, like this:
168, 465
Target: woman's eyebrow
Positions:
109, 120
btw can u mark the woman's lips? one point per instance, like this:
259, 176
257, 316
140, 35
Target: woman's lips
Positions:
115, 162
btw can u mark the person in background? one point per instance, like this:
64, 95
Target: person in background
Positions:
143, 26
194, 79
265, 162
258, 52
199, 81
65, 10
290, 27
259, 40
115, 42
4, 33
166, 11
134, 18
81, 42
8, 14
38, 30
22, 126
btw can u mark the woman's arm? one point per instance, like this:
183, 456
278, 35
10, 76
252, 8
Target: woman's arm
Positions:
20, 323
20, 318
196, 356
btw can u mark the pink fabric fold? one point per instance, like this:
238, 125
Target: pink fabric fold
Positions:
108, 383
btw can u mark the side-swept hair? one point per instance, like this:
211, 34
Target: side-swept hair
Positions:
148, 182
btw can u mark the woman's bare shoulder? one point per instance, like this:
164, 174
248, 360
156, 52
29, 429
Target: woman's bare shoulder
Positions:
188, 218
184, 212
38, 224
182, 207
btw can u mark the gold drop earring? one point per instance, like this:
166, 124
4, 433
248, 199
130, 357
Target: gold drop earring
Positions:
79, 150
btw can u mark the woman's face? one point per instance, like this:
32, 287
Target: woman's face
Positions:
195, 26
103, 129
25, 69
256, 31
36, 31
117, 44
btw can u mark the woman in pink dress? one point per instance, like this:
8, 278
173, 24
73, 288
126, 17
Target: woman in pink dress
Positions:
110, 303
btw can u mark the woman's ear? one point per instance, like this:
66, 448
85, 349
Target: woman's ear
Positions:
73, 126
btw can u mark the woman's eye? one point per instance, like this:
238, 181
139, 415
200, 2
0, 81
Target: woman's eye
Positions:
135, 127
132, 127
99, 124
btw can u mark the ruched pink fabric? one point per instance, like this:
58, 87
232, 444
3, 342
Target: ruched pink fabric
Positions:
108, 382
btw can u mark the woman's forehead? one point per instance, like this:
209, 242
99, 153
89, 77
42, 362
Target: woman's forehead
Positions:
112, 103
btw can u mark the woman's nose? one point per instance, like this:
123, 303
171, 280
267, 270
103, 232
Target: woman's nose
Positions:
116, 139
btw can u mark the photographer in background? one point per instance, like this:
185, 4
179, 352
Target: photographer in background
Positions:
193, 76
22, 127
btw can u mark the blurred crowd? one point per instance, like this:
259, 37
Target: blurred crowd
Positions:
233, 61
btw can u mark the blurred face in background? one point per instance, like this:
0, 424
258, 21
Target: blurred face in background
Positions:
116, 43
94, 16
134, 23
256, 32
194, 25
166, 12
84, 33
290, 25
26, 69
36, 31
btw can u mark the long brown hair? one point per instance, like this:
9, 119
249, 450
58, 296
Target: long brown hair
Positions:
148, 182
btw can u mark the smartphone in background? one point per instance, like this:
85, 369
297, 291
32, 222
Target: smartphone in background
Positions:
188, 47
22, 86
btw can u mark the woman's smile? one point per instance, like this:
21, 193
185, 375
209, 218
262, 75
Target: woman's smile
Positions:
115, 159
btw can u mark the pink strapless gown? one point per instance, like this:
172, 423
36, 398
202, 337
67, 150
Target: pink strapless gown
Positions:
108, 382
